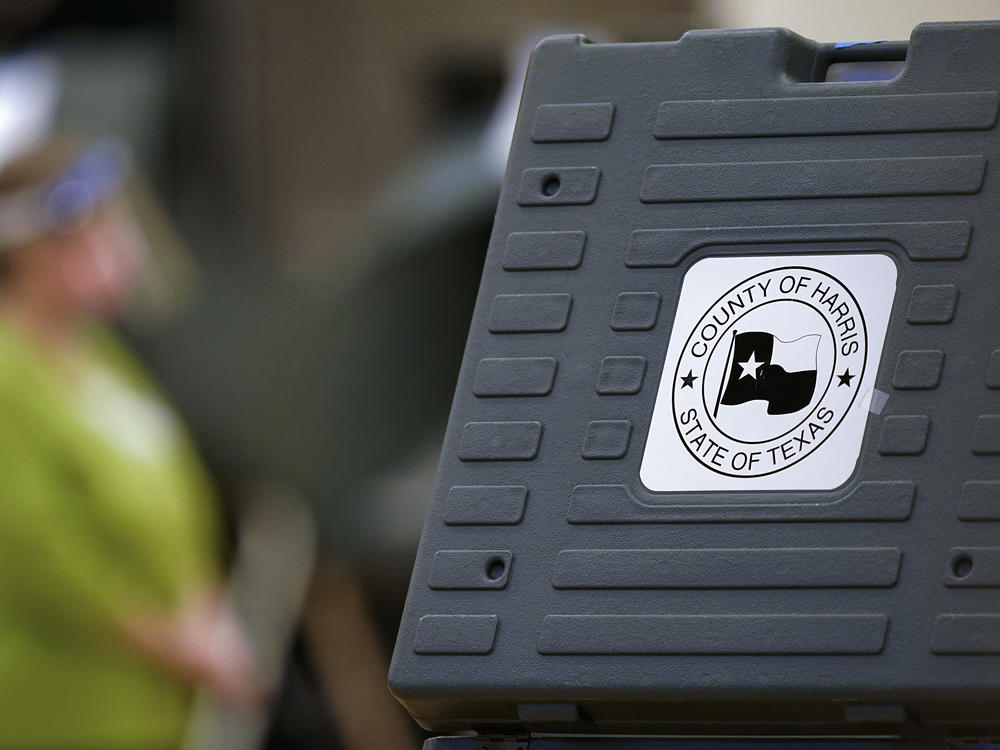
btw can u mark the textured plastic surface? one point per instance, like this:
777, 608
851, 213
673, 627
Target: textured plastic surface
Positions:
636, 743
553, 591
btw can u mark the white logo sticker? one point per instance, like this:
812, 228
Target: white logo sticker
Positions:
769, 373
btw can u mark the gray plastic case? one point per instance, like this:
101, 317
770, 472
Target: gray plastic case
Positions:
854, 590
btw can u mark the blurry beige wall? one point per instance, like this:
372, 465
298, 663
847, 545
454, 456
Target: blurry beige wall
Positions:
319, 101
846, 20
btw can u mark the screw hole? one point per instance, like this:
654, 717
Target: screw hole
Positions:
551, 185
961, 565
495, 568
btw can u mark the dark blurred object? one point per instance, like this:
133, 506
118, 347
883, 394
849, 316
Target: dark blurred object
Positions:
17, 17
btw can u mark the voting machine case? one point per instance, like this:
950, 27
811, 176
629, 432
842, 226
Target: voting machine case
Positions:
724, 453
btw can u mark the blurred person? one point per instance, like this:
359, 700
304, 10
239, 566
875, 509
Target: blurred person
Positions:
111, 605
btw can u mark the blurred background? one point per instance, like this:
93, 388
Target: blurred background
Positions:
319, 180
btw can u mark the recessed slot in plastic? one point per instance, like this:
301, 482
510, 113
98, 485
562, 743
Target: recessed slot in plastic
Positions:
862, 61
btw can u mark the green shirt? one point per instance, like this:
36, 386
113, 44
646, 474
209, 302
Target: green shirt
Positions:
104, 511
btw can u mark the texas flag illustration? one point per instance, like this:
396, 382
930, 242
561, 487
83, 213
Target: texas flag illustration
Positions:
764, 367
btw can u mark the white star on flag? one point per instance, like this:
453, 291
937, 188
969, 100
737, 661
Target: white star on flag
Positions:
750, 366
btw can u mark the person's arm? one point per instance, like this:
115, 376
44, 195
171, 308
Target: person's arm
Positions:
66, 572
202, 644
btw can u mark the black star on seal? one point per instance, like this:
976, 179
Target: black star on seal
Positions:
689, 379
845, 379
